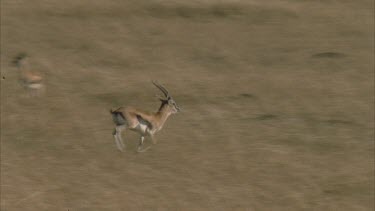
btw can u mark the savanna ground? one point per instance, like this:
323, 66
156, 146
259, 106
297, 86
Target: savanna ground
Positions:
277, 100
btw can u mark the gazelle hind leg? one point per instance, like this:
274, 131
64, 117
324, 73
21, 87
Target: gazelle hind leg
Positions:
118, 144
120, 141
117, 135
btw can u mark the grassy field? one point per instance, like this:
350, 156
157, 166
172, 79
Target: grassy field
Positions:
277, 99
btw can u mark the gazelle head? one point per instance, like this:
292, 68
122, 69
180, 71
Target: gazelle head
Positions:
20, 60
168, 100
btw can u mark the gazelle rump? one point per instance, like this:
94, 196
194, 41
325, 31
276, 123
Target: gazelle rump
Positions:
144, 123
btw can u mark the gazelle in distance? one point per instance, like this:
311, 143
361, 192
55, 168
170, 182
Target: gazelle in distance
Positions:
145, 123
32, 81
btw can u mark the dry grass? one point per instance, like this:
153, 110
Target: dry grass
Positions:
277, 99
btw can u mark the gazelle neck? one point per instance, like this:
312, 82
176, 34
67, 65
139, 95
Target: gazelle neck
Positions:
163, 113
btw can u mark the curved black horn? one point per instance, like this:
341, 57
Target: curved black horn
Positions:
163, 89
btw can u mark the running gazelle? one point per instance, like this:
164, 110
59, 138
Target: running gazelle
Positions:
145, 123
31, 80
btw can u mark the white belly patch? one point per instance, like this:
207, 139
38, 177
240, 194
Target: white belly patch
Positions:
142, 128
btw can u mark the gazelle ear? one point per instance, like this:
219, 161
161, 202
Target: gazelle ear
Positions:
160, 97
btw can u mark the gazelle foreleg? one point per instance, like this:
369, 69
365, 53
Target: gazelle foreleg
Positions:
117, 135
153, 140
140, 146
